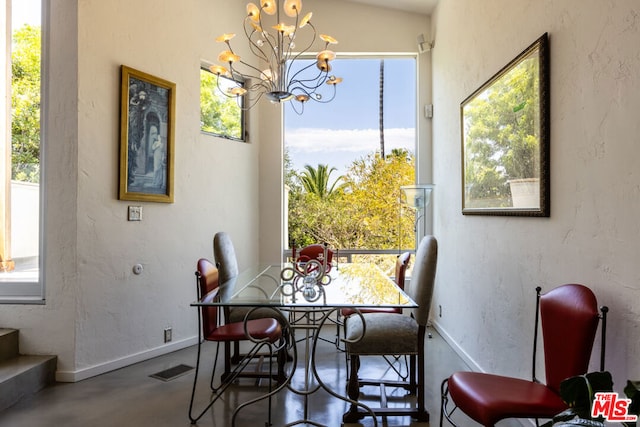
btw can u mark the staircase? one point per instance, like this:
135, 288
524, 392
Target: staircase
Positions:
20, 375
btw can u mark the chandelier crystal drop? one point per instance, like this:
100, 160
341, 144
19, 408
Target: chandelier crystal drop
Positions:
272, 42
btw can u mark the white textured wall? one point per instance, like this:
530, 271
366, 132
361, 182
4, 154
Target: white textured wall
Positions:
489, 266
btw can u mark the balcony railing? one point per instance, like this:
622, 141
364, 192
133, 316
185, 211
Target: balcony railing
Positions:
383, 258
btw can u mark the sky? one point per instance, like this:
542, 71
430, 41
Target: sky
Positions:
347, 128
25, 11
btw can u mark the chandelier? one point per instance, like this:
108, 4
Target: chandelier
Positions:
272, 42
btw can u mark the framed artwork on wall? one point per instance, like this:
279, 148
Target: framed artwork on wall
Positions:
505, 139
147, 122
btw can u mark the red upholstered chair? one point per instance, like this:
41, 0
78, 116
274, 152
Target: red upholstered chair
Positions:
227, 264
569, 317
315, 251
265, 332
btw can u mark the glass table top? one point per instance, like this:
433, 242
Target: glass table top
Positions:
360, 285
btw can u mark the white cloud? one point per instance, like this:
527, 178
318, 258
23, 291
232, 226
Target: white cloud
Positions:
309, 140
339, 148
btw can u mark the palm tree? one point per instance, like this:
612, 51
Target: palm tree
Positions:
381, 108
316, 181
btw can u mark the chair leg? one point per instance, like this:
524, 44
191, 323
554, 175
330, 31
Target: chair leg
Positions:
444, 400
282, 357
216, 391
236, 357
242, 364
195, 381
353, 391
228, 361
412, 375
422, 414
346, 353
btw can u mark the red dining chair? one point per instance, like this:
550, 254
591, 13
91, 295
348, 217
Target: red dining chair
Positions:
314, 252
569, 317
378, 334
227, 265
265, 332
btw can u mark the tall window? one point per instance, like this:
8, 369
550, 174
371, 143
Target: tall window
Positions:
20, 277
346, 160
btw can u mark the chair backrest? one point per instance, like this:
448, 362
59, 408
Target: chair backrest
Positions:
569, 317
402, 263
207, 281
420, 288
315, 251
225, 256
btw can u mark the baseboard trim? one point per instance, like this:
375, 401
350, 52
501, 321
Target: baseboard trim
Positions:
473, 365
81, 374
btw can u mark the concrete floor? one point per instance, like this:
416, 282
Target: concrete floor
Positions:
130, 397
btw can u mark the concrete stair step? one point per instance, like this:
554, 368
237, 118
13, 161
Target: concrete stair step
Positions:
21, 375
8, 344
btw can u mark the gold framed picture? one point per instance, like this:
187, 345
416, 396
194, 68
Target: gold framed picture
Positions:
147, 133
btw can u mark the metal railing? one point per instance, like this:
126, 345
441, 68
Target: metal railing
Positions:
384, 258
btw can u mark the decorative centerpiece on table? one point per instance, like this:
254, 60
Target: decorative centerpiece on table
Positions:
306, 277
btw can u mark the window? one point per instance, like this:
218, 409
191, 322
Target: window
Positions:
346, 160
20, 231
220, 114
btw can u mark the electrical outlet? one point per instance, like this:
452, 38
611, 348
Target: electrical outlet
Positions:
167, 334
439, 311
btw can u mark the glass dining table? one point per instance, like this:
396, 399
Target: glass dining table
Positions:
307, 295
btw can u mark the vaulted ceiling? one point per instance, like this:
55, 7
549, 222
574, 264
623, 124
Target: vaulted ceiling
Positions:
419, 6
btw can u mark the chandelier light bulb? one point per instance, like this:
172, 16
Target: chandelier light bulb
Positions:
306, 19
228, 56
237, 91
326, 55
253, 12
292, 8
218, 70
328, 39
266, 74
269, 7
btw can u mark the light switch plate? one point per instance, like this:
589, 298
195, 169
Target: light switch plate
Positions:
135, 213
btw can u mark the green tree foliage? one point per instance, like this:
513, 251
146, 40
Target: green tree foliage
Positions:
25, 104
502, 140
316, 181
363, 212
219, 113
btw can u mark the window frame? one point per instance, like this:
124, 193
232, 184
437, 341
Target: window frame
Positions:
20, 288
204, 67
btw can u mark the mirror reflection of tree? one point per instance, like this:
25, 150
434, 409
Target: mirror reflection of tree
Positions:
501, 135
